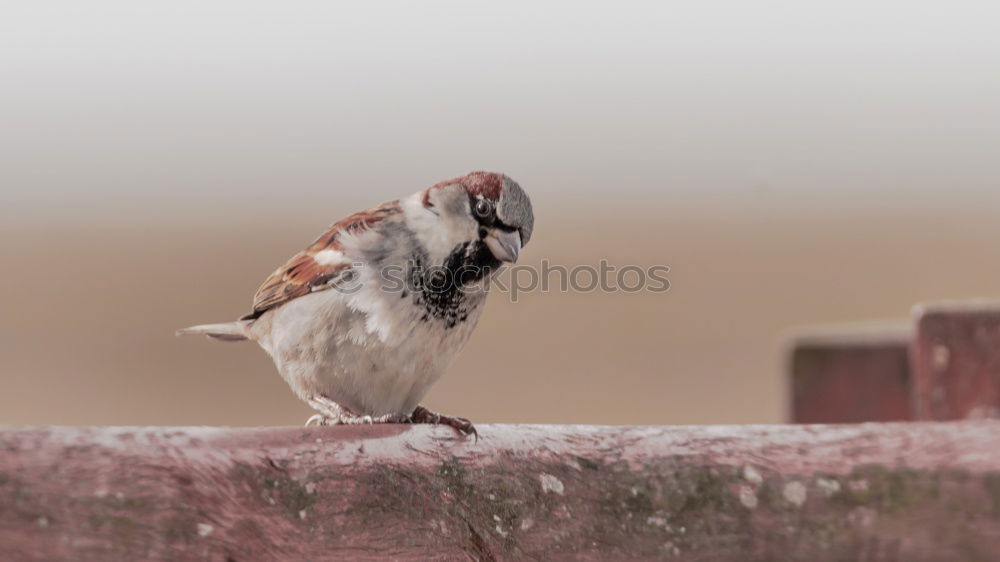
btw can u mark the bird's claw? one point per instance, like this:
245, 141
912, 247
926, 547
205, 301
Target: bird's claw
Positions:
463, 426
320, 420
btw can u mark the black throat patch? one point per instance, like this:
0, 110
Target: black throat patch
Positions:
446, 292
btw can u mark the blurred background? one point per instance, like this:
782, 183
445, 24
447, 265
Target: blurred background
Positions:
792, 163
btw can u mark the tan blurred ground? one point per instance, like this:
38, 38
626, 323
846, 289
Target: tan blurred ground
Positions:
86, 335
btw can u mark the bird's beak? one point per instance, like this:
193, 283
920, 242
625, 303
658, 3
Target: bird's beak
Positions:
504, 245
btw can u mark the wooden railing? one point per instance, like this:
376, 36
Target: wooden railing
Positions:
904, 491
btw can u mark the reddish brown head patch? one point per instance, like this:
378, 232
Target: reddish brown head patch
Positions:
487, 184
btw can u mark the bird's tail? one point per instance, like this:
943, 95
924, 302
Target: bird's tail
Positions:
230, 331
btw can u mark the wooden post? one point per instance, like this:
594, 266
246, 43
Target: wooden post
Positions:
956, 360
909, 491
851, 374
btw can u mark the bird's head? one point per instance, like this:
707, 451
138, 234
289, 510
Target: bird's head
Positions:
484, 218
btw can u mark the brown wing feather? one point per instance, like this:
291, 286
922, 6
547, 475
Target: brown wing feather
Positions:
302, 274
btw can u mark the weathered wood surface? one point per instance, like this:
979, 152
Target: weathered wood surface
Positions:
909, 491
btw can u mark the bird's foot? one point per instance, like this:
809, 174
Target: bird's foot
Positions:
332, 413
463, 426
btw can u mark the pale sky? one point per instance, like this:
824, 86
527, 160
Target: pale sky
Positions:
137, 105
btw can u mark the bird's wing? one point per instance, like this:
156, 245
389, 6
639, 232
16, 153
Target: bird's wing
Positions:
320, 266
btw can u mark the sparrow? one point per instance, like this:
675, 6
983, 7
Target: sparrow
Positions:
363, 321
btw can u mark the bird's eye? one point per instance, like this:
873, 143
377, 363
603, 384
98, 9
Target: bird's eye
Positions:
483, 208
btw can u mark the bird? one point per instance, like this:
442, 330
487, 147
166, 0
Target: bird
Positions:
363, 321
